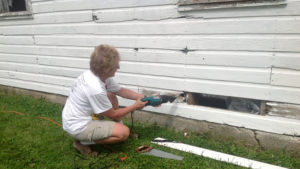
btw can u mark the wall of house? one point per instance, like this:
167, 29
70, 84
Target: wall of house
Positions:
249, 52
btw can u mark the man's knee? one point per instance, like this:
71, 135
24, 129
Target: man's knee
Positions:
121, 131
125, 133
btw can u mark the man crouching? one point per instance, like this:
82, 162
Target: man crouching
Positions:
94, 91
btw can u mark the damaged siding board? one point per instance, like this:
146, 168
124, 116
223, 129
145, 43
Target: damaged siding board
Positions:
282, 25
288, 43
215, 4
276, 125
283, 110
291, 8
245, 90
72, 5
140, 13
189, 2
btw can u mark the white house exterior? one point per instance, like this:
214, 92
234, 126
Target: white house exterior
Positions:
243, 50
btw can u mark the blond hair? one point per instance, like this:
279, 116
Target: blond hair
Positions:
104, 59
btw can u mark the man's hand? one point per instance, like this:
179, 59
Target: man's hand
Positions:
139, 104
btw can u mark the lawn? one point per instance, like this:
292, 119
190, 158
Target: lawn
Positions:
27, 141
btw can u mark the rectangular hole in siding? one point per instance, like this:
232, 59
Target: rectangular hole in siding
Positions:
225, 102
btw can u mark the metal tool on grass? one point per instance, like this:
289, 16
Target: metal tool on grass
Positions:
144, 149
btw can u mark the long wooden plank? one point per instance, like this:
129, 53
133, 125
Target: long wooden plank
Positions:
18, 40
228, 158
18, 58
52, 18
35, 86
235, 89
38, 78
169, 12
72, 5
231, 58
151, 81
41, 69
151, 13
83, 52
285, 77
276, 25
171, 70
251, 75
290, 8
64, 62
216, 58
206, 42
283, 110
286, 60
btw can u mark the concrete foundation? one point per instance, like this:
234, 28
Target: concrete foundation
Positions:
249, 137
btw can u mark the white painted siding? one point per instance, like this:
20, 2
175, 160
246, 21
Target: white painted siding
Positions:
249, 52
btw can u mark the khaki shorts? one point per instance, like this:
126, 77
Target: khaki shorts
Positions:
96, 130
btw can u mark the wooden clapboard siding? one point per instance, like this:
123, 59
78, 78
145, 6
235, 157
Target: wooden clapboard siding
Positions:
288, 9
18, 58
83, 52
287, 60
252, 75
277, 25
38, 78
64, 62
151, 13
72, 5
41, 69
249, 52
287, 43
285, 77
34, 86
16, 40
144, 11
52, 18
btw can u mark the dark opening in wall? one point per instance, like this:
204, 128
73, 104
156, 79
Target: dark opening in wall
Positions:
225, 102
13, 6
18, 5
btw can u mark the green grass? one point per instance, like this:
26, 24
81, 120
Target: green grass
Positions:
30, 142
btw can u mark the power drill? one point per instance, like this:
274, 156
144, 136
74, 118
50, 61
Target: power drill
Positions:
157, 100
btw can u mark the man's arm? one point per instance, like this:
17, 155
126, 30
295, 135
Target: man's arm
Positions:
117, 114
129, 94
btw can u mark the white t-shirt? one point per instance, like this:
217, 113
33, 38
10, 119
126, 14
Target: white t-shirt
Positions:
88, 95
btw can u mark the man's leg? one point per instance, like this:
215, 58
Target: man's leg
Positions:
120, 133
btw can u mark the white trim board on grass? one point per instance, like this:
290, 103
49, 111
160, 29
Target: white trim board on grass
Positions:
244, 162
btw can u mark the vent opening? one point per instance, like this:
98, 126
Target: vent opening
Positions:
225, 102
